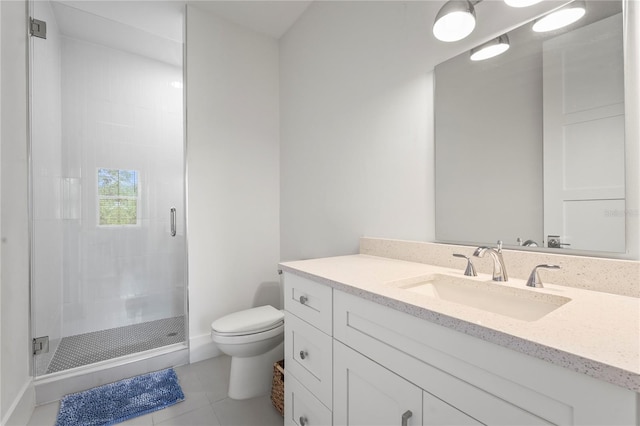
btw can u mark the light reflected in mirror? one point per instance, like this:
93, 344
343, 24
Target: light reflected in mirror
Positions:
530, 143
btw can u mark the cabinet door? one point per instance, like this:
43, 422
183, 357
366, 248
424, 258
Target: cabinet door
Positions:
368, 394
439, 413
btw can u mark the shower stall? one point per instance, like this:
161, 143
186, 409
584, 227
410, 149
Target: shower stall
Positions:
107, 182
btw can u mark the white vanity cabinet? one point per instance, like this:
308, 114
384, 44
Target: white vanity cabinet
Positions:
464, 380
308, 352
351, 361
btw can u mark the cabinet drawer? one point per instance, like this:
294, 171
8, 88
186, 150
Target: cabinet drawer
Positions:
308, 356
309, 300
436, 412
299, 403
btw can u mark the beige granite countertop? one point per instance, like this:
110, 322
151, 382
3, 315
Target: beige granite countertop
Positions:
596, 333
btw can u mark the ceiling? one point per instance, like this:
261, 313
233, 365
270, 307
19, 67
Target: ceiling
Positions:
272, 18
159, 18
155, 28
157, 36
165, 18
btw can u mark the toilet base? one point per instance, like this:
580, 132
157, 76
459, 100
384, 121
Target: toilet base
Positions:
252, 376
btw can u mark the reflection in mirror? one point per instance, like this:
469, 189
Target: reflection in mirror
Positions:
530, 143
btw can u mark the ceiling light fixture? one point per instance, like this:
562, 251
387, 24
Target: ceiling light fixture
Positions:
561, 17
491, 48
455, 20
521, 3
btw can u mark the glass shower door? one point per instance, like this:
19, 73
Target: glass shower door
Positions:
107, 187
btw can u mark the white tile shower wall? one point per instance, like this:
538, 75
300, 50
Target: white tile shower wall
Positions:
121, 111
47, 179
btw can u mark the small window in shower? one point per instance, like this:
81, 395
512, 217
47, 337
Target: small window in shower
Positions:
117, 197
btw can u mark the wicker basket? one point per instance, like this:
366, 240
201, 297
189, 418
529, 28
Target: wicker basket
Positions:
277, 388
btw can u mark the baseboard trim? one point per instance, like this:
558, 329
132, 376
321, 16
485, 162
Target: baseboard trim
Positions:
201, 348
22, 407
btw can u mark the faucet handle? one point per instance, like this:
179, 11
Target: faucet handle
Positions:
534, 279
480, 251
470, 271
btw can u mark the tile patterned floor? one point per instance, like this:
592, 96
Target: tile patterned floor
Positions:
88, 348
205, 386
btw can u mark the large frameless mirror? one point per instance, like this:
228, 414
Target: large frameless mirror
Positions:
530, 144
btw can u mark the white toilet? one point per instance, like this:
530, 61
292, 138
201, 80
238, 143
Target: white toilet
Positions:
254, 339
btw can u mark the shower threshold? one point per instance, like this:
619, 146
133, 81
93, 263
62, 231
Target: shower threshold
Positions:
89, 348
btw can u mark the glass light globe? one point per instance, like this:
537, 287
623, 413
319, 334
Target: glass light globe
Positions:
560, 18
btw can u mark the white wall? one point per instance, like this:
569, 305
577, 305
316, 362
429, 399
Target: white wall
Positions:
2, 409
14, 312
233, 167
2, 406
356, 127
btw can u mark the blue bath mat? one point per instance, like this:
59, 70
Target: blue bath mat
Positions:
120, 401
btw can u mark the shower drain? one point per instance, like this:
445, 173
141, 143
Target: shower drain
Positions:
175, 333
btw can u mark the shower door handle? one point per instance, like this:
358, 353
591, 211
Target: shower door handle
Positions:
173, 221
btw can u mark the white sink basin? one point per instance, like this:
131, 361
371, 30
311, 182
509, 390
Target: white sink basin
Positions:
522, 304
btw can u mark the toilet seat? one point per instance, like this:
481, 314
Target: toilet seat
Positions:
249, 321
244, 339
249, 332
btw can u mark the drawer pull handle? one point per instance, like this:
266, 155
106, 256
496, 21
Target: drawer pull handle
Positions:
303, 420
303, 354
303, 300
406, 416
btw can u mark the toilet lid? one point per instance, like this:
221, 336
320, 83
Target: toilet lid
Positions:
249, 321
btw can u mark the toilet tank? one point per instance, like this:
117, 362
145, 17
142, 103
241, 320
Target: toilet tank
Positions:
269, 293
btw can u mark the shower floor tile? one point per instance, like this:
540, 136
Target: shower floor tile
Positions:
88, 348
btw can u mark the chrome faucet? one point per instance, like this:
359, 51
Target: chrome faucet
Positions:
499, 270
534, 279
470, 271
